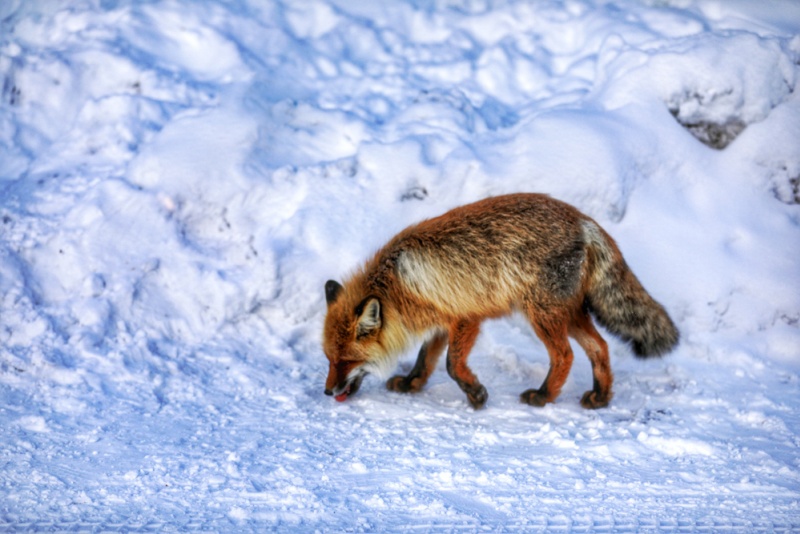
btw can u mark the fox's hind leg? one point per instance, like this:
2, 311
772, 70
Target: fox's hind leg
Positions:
426, 363
553, 332
462, 337
584, 332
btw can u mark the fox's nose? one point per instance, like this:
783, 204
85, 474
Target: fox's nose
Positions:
328, 392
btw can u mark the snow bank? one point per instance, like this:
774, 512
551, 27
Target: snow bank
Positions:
179, 179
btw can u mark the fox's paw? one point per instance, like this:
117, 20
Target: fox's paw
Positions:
478, 397
404, 384
593, 400
534, 397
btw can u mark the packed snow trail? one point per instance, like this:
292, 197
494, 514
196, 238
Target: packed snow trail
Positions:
178, 180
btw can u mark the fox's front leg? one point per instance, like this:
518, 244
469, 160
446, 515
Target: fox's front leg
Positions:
462, 337
426, 363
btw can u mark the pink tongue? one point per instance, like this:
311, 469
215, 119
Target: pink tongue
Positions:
342, 397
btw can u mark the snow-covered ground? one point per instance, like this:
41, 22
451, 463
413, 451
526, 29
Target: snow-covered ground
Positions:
179, 179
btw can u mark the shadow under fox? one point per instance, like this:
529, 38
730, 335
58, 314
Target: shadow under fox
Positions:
436, 281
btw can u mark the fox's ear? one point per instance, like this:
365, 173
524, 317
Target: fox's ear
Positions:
332, 290
369, 317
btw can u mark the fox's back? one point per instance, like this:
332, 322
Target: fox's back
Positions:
491, 255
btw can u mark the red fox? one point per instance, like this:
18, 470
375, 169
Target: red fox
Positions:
436, 281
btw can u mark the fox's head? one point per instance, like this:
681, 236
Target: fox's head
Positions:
352, 340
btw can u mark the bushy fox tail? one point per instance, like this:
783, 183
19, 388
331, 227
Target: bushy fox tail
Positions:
619, 302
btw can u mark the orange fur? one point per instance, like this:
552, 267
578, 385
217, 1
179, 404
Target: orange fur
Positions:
438, 280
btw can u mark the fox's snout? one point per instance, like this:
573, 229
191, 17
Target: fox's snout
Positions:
342, 389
